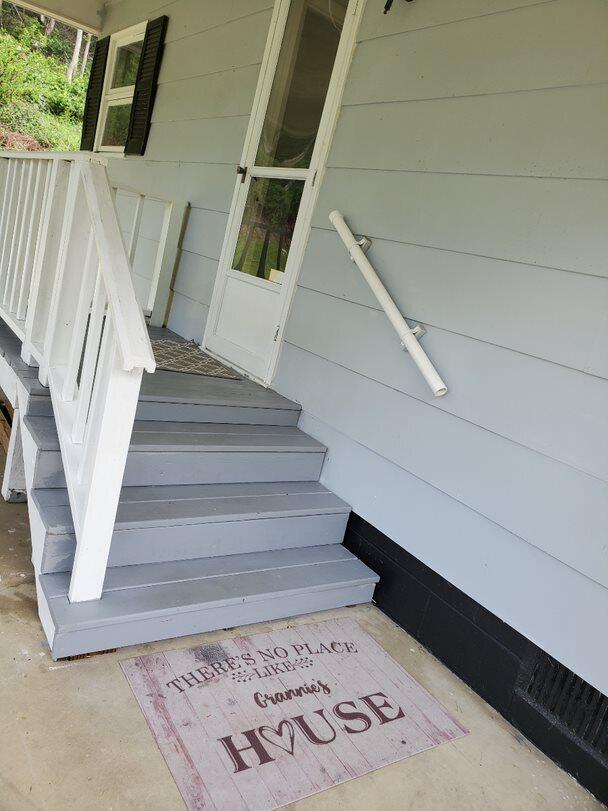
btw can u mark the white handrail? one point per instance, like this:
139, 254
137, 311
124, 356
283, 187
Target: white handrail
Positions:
409, 341
42, 155
133, 340
67, 293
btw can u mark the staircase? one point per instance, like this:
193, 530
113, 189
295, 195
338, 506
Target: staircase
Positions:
161, 504
222, 520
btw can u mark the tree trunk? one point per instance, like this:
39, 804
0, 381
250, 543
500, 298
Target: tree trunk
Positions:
75, 55
85, 56
48, 28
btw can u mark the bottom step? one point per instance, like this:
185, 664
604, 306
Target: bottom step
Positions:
162, 600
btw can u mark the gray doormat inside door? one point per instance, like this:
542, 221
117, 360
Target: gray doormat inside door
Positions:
188, 357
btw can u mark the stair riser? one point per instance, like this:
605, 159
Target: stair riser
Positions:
184, 412
49, 469
40, 407
221, 468
193, 467
163, 544
136, 631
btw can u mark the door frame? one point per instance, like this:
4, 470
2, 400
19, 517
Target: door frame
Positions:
313, 176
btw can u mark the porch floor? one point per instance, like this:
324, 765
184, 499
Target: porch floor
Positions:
74, 730
163, 385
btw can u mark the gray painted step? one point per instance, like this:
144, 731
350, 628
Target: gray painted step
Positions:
194, 398
33, 385
224, 410
40, 405
10, 350
193, 453
163, 600
156, 524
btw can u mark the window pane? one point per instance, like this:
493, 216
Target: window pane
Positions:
300, 85
125, 68
117, 125
267, 227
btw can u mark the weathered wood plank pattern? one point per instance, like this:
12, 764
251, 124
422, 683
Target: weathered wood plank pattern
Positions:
303, 744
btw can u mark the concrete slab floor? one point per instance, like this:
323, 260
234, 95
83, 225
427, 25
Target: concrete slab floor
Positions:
72, 734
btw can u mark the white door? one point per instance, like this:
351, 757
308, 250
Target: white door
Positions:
301, 80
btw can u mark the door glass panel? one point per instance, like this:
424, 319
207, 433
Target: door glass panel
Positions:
267, 227
127, 62
300, 84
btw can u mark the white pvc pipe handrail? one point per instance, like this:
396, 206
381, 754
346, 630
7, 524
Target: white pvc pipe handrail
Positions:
409, 341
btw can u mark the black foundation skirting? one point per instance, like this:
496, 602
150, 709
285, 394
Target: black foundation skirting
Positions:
555, 709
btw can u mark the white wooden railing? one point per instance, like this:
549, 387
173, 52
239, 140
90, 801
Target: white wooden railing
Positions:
66, 292
408, 335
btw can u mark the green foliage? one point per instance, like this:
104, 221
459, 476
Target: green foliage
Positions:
35, 96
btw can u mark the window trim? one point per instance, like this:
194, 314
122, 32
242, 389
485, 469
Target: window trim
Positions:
113, 96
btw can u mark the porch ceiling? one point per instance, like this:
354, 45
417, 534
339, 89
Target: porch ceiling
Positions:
85, 14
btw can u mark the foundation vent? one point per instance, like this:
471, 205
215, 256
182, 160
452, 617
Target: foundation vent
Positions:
568, 700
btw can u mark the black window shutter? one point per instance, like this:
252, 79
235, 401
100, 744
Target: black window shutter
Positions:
145, 86
94, 93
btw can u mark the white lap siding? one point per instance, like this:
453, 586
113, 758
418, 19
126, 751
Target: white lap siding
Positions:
471, 148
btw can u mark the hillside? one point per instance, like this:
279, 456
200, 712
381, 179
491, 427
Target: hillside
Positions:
40, 108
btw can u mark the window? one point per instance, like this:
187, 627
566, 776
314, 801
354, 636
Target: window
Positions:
119, 87
122, 88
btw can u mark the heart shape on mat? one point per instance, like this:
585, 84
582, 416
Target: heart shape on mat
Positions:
266, 731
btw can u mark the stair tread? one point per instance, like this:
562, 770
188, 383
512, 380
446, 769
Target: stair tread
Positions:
177, 387
161, 589
220, 437
172, 505
185, 436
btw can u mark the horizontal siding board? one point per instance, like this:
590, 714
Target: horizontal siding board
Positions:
547, 222
554, 315
190, 17
431, 13
208, 140
119, 14
544, 45
227, 93
497, 569
205, 232
196, 277
550, 133
186, 17
238, 43
188, 317
530, 402
525, 492
205, 185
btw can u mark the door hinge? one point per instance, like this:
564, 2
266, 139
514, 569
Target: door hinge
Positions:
242, 171
276, 334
